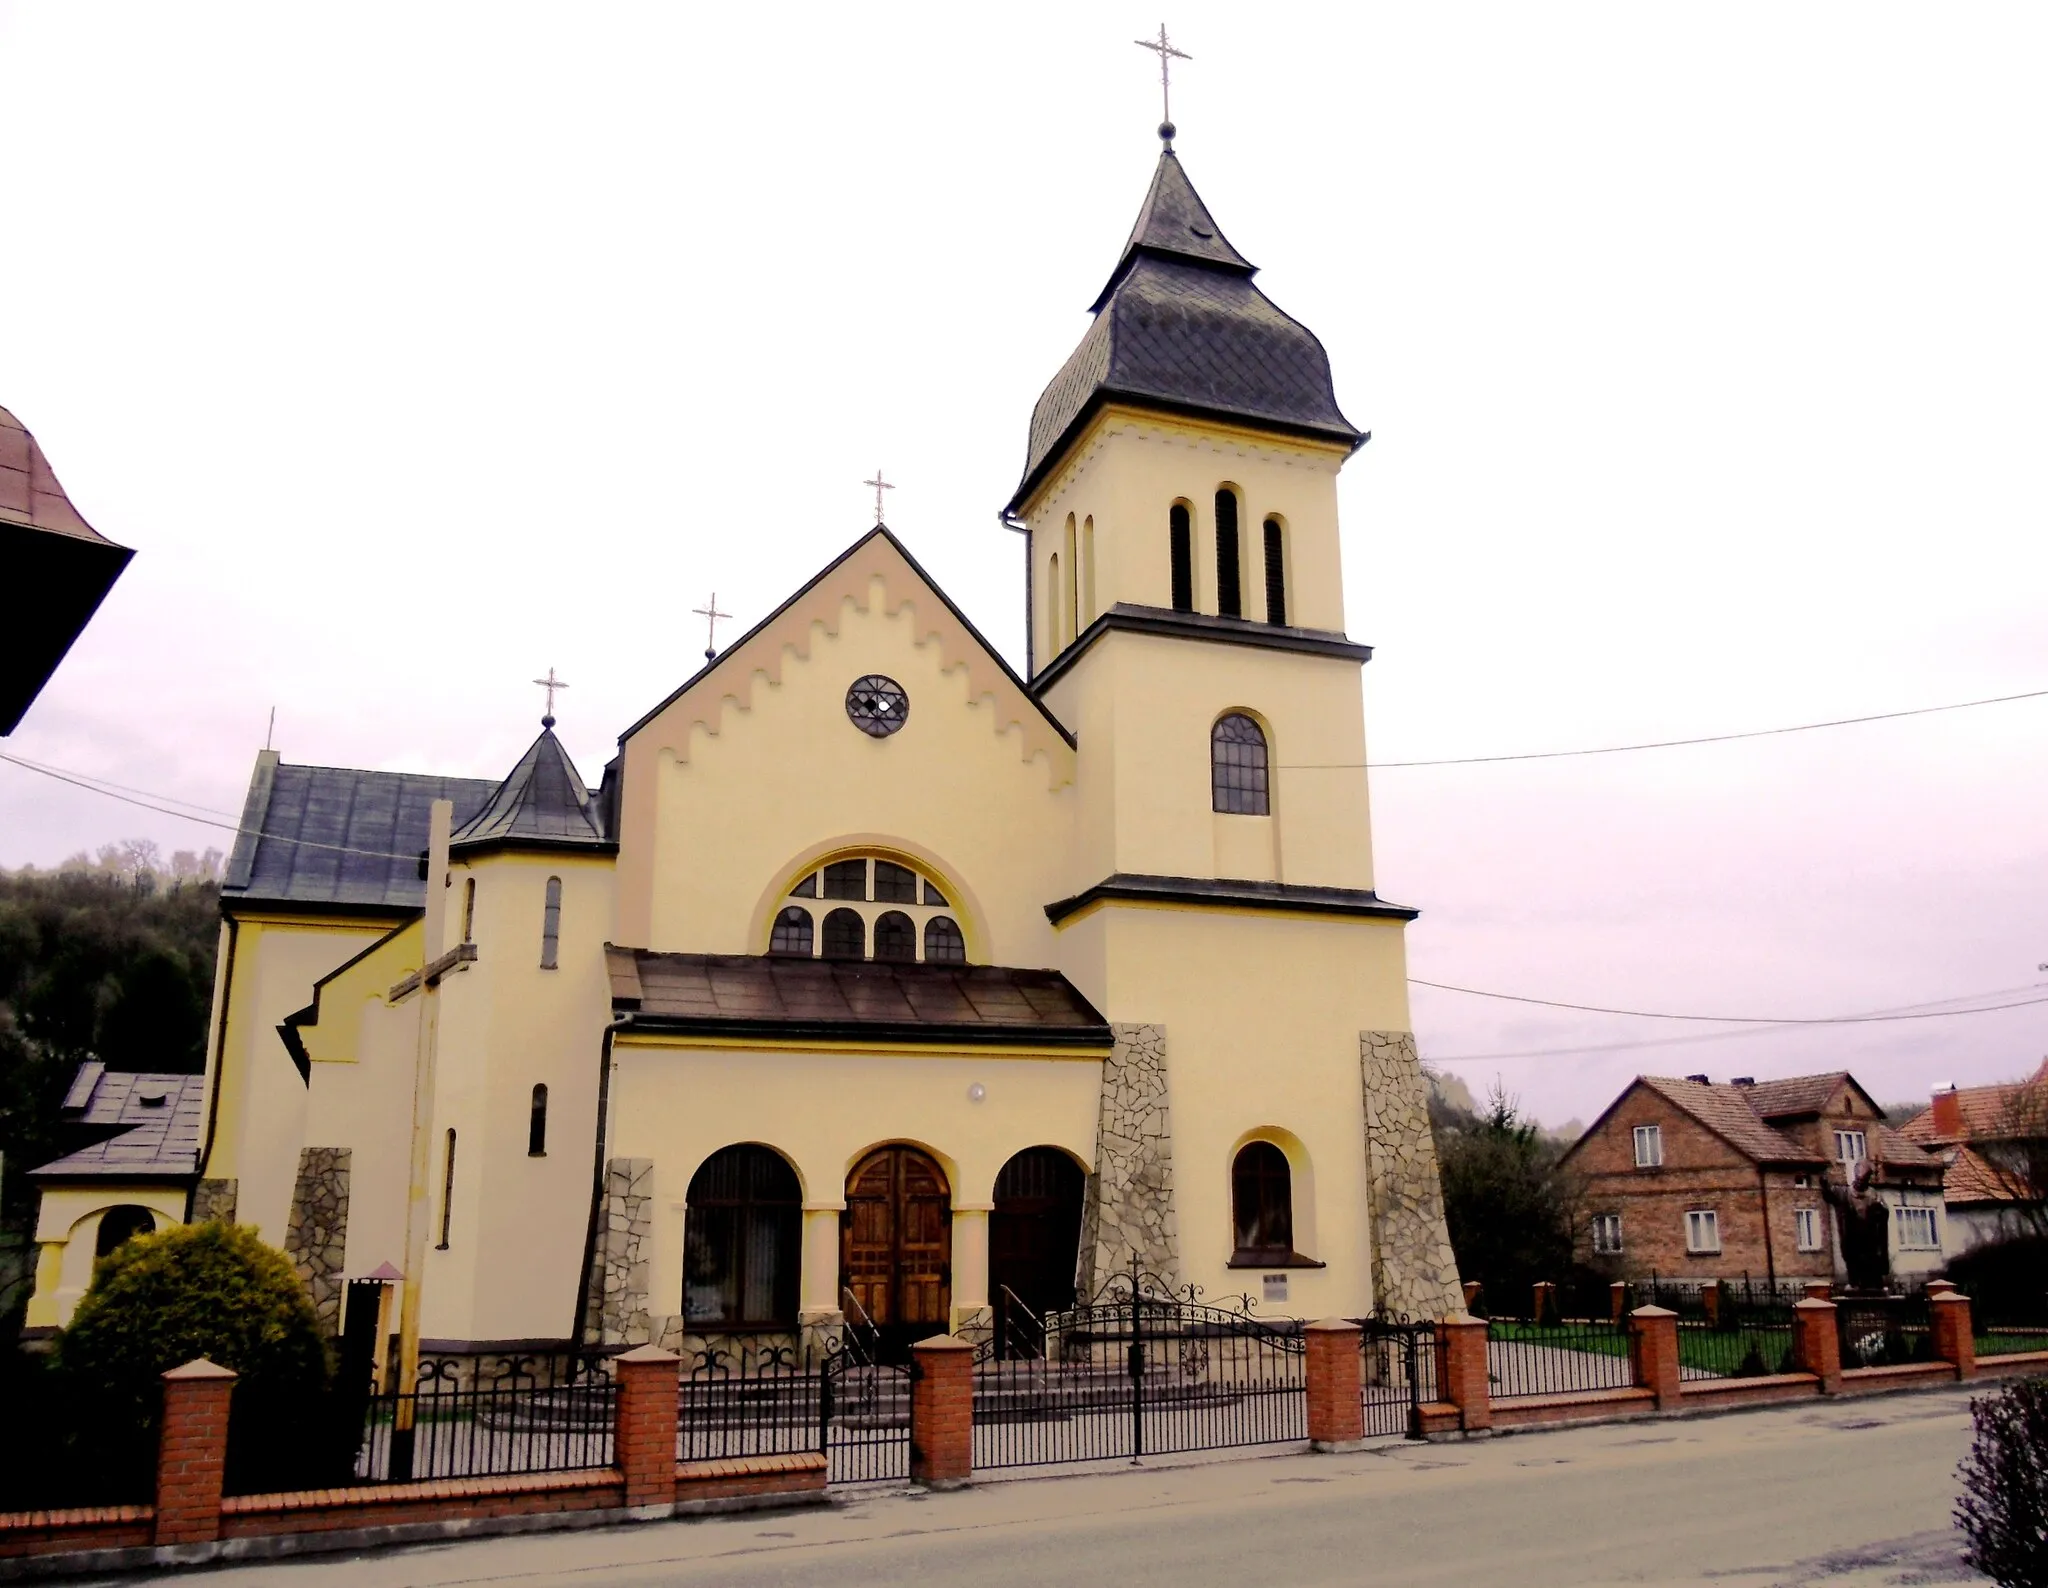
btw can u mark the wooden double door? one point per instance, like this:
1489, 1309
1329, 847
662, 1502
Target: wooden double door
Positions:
896, 1246
1034, 1240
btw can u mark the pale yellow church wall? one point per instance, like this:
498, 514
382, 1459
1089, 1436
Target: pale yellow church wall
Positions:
1262, 1014
1125, 473
678, 1104
1168, 694
67, 1230
519, 1223
949, 789
261, 1109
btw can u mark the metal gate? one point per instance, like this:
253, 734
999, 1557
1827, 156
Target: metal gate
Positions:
863, 1415
1397, 1373
1144, 1368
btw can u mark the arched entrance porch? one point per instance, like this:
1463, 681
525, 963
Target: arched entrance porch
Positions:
1034, 1241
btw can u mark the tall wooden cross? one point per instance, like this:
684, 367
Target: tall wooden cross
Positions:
1163, 48
880, 486
550, 683
710, 614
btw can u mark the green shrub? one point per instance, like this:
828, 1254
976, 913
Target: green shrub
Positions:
2004, 1507
197, 1290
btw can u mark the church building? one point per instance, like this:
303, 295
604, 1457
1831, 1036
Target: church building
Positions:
873, 983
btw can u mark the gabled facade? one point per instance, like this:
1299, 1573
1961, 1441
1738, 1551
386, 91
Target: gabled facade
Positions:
1966, 1127
877, 983
1694, 1180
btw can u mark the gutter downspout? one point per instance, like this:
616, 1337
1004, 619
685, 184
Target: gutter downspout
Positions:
216, 1064
580, 1325
1010, 521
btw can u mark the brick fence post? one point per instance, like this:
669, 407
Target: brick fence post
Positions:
1820, 1290
942, 1412
1336, 1409
1955, 1341
644, 1428
1617, 1301
192, 1453
1461, 1376
1543, 1302
1815, 1345
1710, 1300
1471, 1289
1653, 1354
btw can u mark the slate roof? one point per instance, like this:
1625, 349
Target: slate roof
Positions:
1181, 325
337, 836
751, 994
542, 801
153, 1124
29, 492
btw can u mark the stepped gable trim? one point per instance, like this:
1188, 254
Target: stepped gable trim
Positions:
1127, 618
746, 648
1286, 898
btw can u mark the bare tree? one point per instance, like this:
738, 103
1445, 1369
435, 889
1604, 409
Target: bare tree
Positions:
2016, 1152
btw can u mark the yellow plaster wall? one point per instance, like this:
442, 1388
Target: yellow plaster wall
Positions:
1262, 1015
67, 1228
953, 788
678, 1104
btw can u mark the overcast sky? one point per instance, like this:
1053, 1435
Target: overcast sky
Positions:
417, 349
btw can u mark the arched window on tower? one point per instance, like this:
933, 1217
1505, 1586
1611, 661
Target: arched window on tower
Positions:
943, 944
895, 936
537, 1124
792, 933
742, 1241
1072, 593
846, 935
1262, 1205
1276, 572
551, 924
447, 1189
1181, 541
1229, 599
1088, 608
1055, 623
1237, 766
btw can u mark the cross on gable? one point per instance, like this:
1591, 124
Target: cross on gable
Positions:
880, 486
710, 614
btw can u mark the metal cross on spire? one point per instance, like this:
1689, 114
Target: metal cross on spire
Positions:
1163, 48
880, 486
550, 683
710, 614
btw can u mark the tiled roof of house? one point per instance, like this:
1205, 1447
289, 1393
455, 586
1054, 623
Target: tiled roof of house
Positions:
1968, 1178
329, 835
1180, 324
1981, 1110
851, 999
1727, 1111
1795, 1094
542, 801
153, 1121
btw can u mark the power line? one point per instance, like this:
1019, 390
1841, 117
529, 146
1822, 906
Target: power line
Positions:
103, 784
1661, 744
1724, 1020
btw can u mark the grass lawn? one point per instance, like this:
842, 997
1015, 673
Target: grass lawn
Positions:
2009, 1342
1710, 1350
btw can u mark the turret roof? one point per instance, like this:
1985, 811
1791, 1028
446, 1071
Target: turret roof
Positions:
542, 801
1180, 326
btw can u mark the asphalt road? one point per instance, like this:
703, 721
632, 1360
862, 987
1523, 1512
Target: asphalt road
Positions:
1845, 1495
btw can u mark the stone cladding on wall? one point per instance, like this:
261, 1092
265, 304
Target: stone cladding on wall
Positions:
214, 1199
1413, 1270
316, 1234
616, 1310
1129, 1205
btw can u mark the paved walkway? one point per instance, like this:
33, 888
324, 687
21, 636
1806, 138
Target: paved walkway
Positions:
1818, 1495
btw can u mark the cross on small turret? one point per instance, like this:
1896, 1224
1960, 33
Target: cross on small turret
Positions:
1163, 48
550, 683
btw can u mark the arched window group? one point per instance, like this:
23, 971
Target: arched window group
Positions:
1268, 558
880, 909
1238, 770
1070, 583
742, 1241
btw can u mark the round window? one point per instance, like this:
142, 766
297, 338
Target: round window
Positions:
877, 705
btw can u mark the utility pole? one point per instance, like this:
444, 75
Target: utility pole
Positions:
426, 983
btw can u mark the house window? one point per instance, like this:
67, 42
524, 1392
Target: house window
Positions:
1237, 766
1649, 1146
1703, 1231
742, 1241
537, 1124
469, 910
1916, 1229
1276, 572
1229, 600
792, 933
1850, 1146
895, 936
551, 924
1181, 541
1262, 1204
1606, 1233
846, 935
447, 1189
943, 944
1807, 1222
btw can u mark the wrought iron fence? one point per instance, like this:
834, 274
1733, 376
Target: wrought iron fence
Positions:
1883, 1331
1527, 1358
61, 1447
1144, 1368
2008, 1325
1397, 1373
1736, 1347
753, 1401
863, 1412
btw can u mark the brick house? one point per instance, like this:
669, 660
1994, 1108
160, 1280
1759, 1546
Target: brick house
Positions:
1984, 1203
1696, 1180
